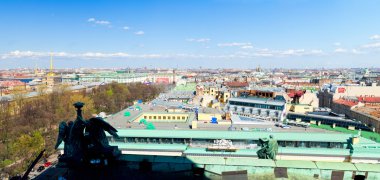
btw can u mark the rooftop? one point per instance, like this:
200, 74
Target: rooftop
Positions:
284, 136
258, 100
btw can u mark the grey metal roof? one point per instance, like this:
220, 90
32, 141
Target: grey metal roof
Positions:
258, 101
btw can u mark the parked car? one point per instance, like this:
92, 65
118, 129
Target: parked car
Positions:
278, 124
47, 164
285, 127
41, 168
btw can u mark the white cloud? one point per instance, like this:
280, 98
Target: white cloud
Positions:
243, 53
234, 44
126, 28
102, 22
247, 47
99, 22
280, 53
340, 50
201, 40
375, 37
356, 51
140, 33
292, 52
32, 54
372, 45
337, 44
86, 55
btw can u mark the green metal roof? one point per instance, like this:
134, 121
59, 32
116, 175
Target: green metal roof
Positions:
203, 151
368, 167
314, 151
283, 136
295, 164
187, 87
236, 161
244, 161
366, 152
206, 160
336, 166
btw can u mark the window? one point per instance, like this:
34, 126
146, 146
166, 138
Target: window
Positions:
173, 117
154, 117
169, 117
145, 117
159, 117
150, 117
323, 144
183, 117
289, 143
163, 117
178, 117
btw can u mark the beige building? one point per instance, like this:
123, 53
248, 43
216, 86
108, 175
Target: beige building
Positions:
219, 93
327, 96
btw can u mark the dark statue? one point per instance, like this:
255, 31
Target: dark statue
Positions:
85, 140
269, 148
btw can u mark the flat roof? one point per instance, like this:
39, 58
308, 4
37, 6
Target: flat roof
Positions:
367, 167
344, 166
258, 101
295, 164
238, 161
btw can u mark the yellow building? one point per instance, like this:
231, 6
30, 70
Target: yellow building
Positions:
164, 117
221, 94
299, 108
208, 116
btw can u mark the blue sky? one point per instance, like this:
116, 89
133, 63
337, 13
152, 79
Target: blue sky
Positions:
184, 33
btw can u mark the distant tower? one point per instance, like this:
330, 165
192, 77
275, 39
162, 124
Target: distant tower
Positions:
258, 68
173, 76
51, 62
49, 78
35, 70
51, 73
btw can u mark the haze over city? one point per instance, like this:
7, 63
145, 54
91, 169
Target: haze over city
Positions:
210, 34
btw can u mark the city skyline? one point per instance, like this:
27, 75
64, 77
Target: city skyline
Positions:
167, 34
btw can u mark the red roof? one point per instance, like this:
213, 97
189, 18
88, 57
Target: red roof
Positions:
236, 84
369, 99
346, 102
296, 93
11, 83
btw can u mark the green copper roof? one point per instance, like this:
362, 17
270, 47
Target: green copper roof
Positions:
246, 162
186, 87
295, 164
283, 136
367, 167
336, 166
243, 161
314, 151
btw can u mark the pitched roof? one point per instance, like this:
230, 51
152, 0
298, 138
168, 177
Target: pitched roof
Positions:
237, 84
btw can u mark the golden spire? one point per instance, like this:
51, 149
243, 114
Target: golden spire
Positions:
51, 62
51, 73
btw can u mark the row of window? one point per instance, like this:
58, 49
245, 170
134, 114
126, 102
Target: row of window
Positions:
340, 123
208, 142
165, 117
262, 106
